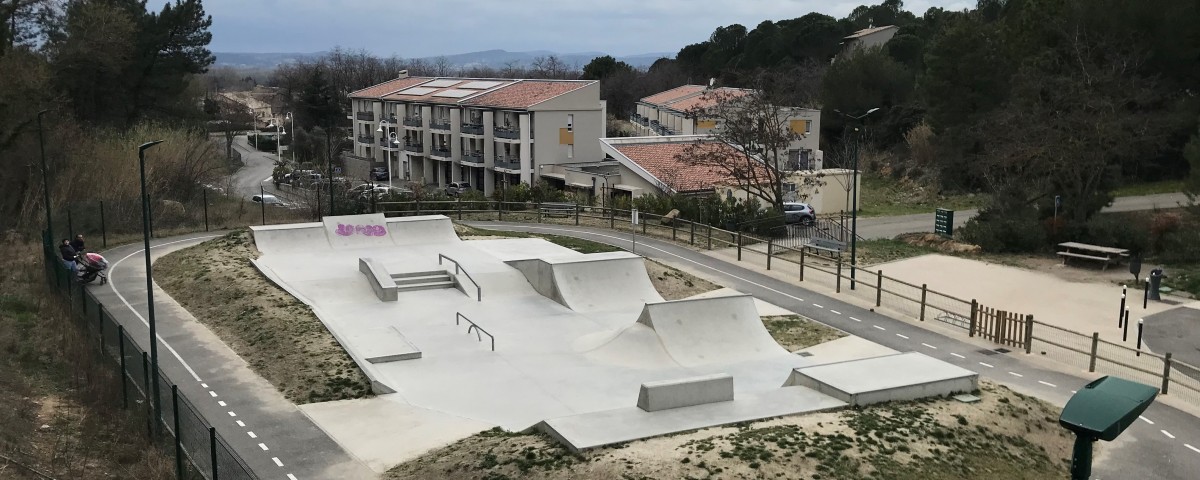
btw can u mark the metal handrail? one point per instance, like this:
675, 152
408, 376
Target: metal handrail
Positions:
457, 269
477, 328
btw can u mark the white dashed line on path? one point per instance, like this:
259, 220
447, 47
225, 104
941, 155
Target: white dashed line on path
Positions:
203, 385
855, 319
930, 346
232, 414
277, 462
818, 306
240, 424
1147, 420
221, 403
212, 394
879, 327
986, 365
291, 477
1168, 434
1048, 384
1015, 374
251, 434
902, 336
263, 446
1194, 449
836, 312
957, 355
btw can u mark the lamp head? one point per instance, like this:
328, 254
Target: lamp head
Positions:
146, 145
871, 111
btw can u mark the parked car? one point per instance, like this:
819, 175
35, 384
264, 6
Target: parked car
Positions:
268, 199
358, 191
457, 188
379, 173
382, 192
802, 213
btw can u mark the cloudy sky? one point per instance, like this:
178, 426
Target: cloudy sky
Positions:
411, 28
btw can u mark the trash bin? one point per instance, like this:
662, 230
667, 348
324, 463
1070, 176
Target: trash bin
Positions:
1156, 276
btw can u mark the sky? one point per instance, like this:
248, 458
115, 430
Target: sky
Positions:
411, 28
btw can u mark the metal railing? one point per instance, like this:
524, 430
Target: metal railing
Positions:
472, 129
459, 316
506, 133
414, 147
510, 165
440, 124
367, 139
412, 121
367, 116
440, 152
458, 269
472, 157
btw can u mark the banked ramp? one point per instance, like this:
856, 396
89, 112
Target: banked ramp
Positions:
353, 231
593, 282
703, 331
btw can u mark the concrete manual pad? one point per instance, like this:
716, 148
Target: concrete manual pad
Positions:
903, 376
685, 392
596, 429
845, 348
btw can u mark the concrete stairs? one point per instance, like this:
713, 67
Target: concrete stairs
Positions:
413, 281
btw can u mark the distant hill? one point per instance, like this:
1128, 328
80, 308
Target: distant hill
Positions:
488, 58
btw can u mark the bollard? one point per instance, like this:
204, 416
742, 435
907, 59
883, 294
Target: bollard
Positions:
1121, 311
1125, 330
212, 451
878, 287
1139, 339
1146, 294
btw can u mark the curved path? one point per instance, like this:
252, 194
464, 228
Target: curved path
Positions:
1165, 444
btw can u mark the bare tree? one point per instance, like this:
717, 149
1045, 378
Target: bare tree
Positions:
551, 67
442, 66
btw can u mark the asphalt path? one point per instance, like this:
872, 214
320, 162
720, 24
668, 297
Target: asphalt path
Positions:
1163, 444
890, 226
276, 440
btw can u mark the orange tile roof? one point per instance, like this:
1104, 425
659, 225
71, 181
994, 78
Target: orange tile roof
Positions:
867, 31
707, 99
663, 160
673, 94
376, 91
525, 93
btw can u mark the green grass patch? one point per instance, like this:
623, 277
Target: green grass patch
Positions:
1184, 278
884, 196
1149, 188
882, 251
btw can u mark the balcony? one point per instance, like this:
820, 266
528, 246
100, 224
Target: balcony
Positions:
414, 147
473, 157
440, 152
387, 143
508, 165
367, 139
366, 116
440, 124
472, 129
413, 121
507, 133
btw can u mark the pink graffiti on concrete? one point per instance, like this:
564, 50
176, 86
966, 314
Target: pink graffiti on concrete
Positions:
365, 230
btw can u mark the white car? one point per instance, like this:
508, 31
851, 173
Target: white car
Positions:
268, 199
383, 191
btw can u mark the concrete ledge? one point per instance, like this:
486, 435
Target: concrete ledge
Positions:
902, 376
685, 392
390, 346
382, 283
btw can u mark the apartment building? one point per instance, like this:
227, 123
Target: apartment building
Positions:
867, 38
488, 132
674, 112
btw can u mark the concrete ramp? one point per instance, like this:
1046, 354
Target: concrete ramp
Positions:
704, 331
292, 238
357, 231
591, 283
421, 230
353, 231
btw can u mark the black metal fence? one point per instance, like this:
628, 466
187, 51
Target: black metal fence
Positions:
200, 452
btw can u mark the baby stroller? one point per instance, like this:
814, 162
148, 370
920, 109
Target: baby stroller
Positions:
91, 267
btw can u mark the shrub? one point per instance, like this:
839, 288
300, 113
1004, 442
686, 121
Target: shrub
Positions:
1114, 231
1003, 230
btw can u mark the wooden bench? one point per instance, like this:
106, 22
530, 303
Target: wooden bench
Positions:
558, 209
1108, 255
826, 245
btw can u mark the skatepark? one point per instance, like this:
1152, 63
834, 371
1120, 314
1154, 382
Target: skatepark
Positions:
520, 333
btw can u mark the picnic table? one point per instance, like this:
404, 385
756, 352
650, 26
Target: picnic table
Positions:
1108, 255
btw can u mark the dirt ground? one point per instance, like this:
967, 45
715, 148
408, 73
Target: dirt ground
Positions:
276, 334
1005, 435
795, 332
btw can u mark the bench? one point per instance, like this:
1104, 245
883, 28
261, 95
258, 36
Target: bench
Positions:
1108, 255
558, 209
826, 245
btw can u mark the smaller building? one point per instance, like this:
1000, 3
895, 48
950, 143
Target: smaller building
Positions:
867, 38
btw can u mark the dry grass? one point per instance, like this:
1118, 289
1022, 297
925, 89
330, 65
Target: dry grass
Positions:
276, 334
1006, 435
60, 401
795, 332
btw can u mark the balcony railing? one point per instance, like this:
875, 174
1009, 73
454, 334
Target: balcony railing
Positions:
473, 157
507, 163
367, 139
368, 116
440, 152
388, 143
508, 133
472, 129
414, 147
440, 124
389, 121
413, 121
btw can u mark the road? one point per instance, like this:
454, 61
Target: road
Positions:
256, 170
889, 227
1168, 448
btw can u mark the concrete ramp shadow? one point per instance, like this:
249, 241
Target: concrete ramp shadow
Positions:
703, 331
593, 282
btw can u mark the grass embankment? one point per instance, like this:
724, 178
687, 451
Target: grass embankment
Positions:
1005, 435
884, 196
1149, 188
276, 334
60, 414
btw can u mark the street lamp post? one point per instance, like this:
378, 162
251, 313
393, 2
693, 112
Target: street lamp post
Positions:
150, 284
292, 143
854, 196
279, 133
45, 180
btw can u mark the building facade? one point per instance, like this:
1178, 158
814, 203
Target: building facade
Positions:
487, 132
867, 38
673, 112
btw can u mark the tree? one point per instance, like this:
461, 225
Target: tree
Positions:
550, 67
601, 68
751, 143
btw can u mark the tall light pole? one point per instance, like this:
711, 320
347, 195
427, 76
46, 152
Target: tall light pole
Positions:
45, 181
279, 133
854, 196
150, 284
292, 144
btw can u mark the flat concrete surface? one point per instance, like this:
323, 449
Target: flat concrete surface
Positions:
845, 348
765, 308
595, 429
1176, 330
883, 373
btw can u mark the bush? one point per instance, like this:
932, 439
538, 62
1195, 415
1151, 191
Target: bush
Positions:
1180, 246
1115, 231
1006, 231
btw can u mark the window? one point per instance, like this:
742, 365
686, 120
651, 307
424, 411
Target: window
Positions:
570, 122
570, 151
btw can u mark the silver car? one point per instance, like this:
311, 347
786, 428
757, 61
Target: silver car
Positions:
802, 213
